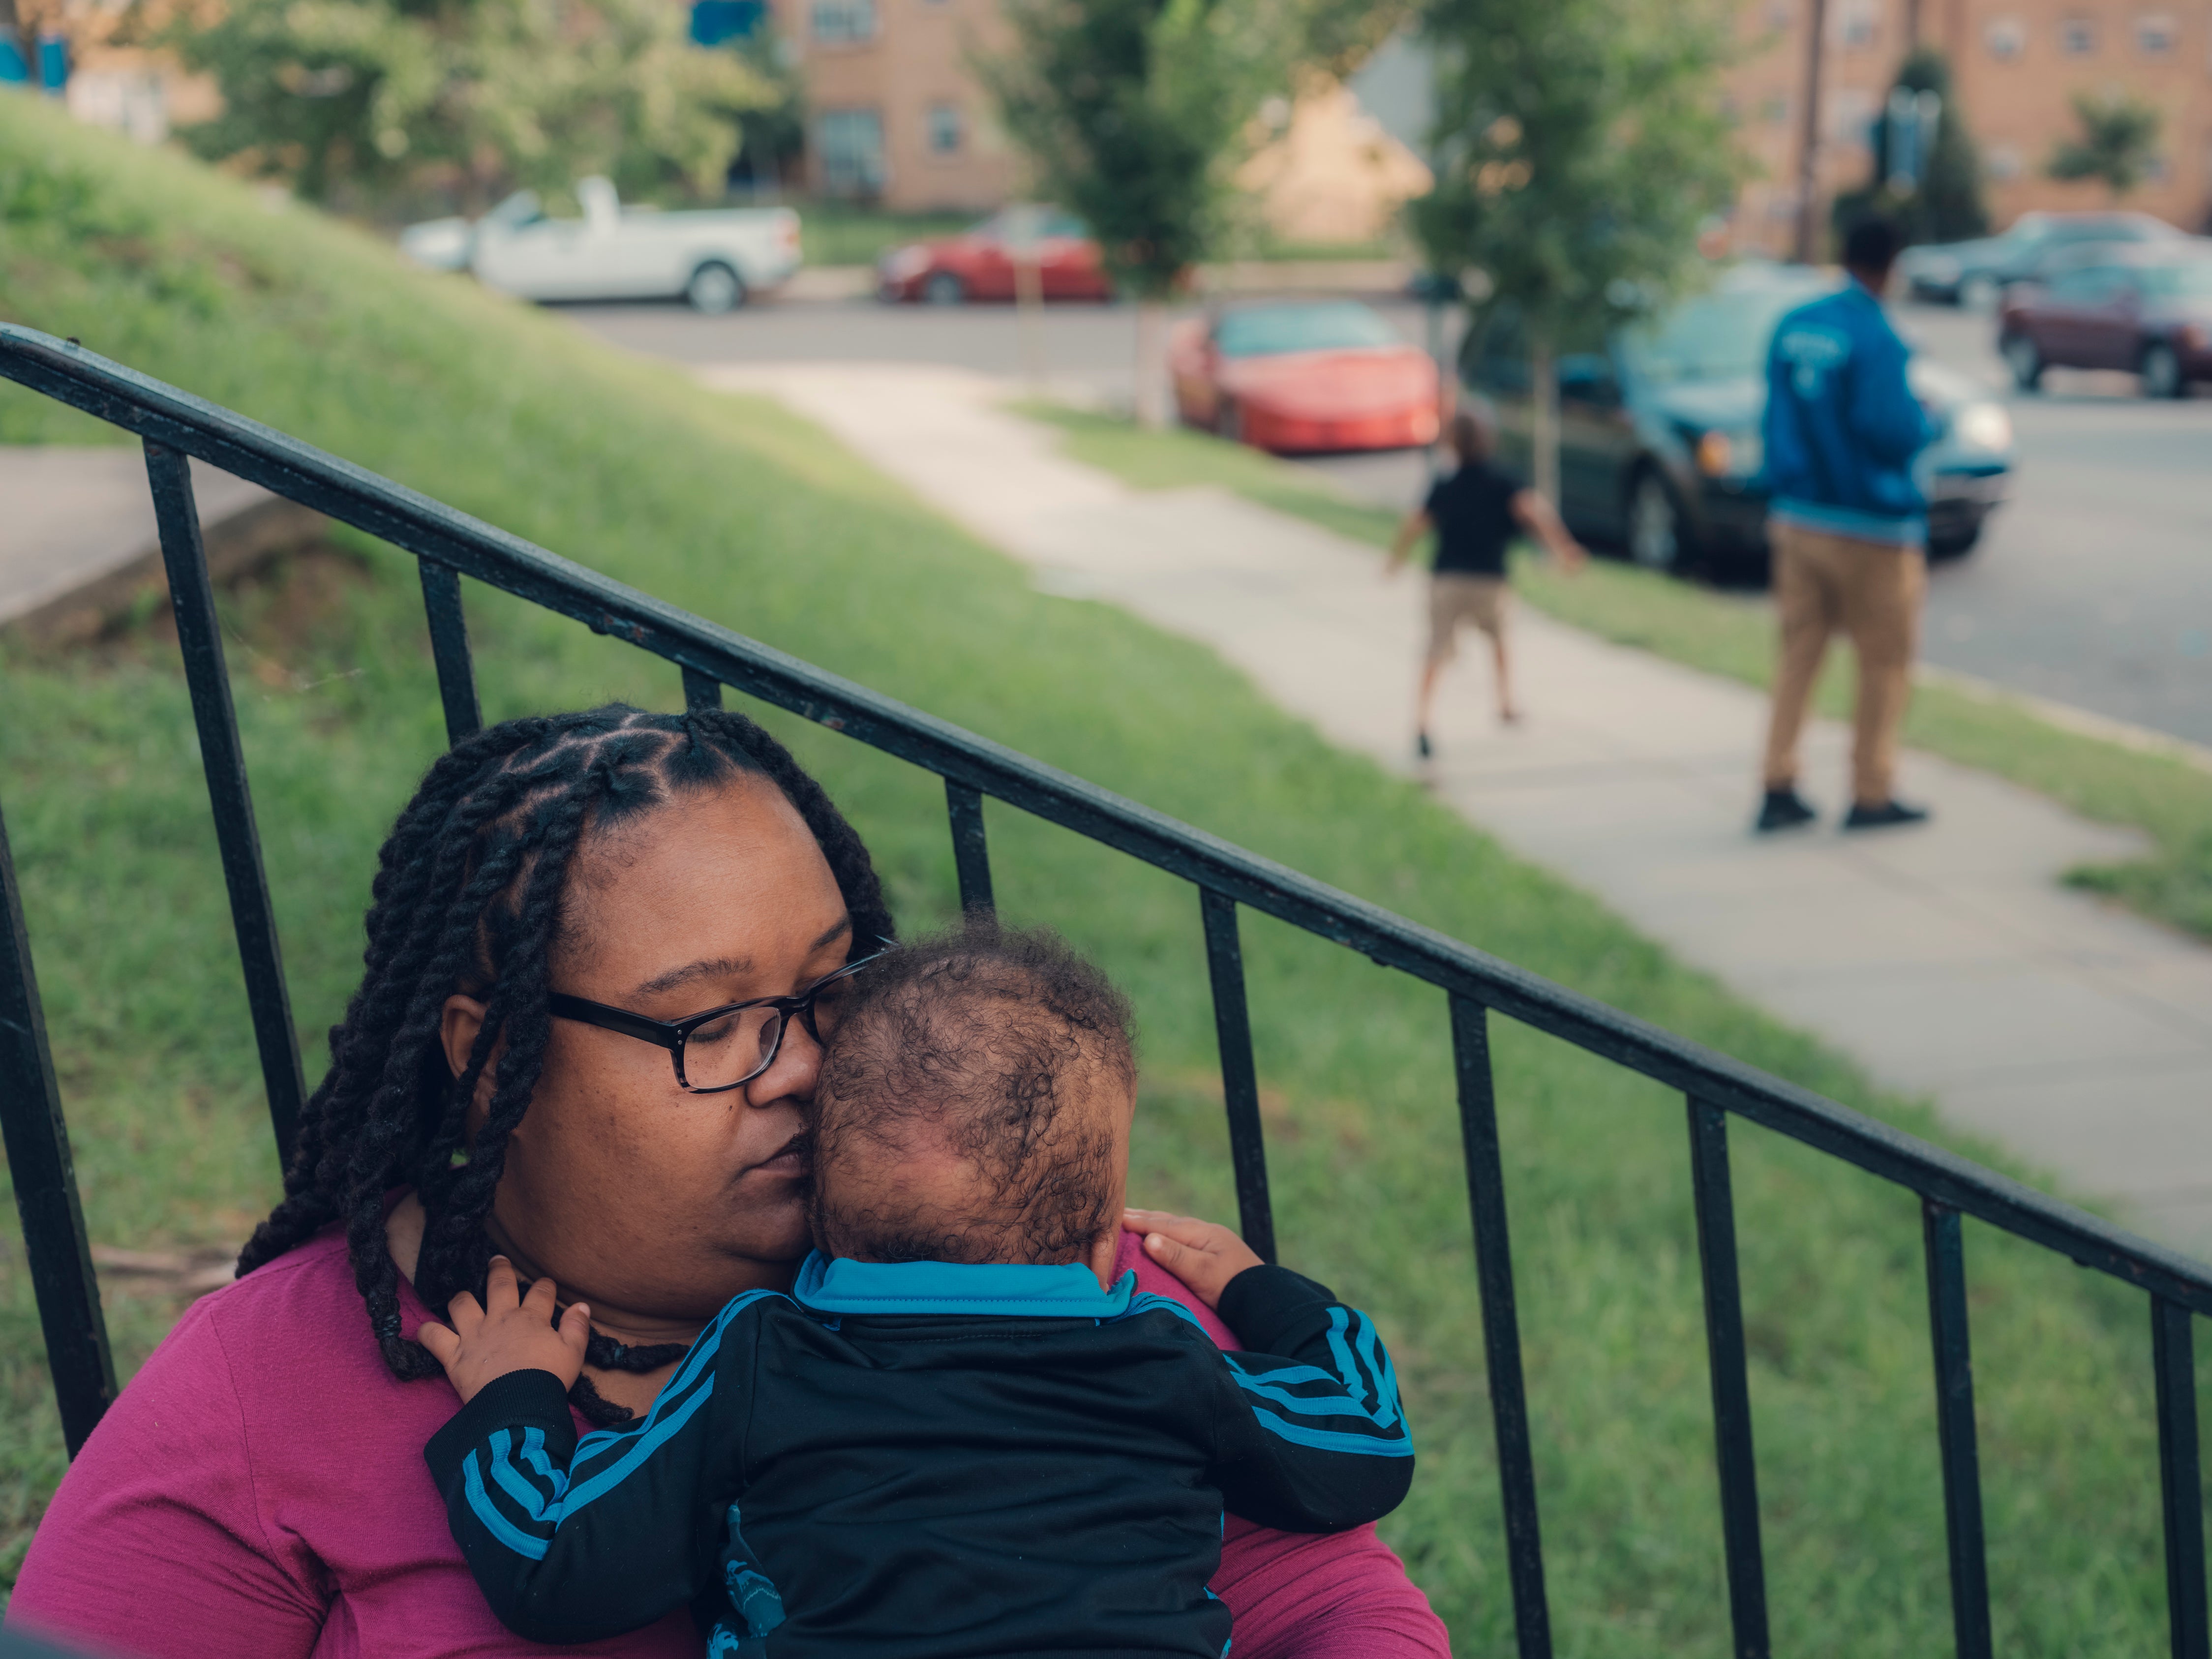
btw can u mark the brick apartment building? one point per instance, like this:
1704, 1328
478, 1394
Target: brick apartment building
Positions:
895, 111
898, 112
2016, 65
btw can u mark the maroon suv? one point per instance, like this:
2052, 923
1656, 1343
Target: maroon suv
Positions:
2116, 305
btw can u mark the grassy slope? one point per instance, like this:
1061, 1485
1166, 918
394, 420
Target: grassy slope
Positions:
736, 510
2170, 799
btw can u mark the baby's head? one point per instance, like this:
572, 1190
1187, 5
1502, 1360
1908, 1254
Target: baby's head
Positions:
974, 1105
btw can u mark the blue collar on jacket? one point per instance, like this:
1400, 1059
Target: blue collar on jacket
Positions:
840, 1285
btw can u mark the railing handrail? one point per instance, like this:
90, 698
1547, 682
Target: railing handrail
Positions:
417, 523
447, 543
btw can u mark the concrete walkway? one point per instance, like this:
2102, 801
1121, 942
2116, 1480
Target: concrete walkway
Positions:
76, 529
1947, 960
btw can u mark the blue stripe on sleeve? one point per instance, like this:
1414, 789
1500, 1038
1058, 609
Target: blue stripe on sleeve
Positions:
511, 1481
487, 1511
1366, 1445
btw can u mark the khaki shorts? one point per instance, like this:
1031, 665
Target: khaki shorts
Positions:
1456, 599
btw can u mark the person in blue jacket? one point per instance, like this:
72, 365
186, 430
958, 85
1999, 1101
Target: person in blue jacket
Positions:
1848, 526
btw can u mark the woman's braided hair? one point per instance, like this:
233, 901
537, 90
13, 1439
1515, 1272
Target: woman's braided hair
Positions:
468, 899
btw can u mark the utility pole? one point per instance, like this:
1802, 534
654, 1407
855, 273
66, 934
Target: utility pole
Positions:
1808, 139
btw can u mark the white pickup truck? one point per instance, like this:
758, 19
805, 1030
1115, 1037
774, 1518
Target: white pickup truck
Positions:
714, 258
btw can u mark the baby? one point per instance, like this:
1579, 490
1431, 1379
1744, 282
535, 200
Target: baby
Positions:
953, 1437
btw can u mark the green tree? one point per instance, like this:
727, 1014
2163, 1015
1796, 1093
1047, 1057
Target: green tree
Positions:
1946, 204
1580, 147
2118, 138
357, 98
1132, 114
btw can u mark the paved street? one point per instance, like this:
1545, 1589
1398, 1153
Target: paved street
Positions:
2093, 587
1947, 960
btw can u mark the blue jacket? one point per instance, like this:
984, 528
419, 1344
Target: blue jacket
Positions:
933, 1458
1841, 425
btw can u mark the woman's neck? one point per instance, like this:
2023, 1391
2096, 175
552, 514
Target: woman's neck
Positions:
403, 1233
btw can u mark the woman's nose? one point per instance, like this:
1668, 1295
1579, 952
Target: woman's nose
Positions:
791, 1074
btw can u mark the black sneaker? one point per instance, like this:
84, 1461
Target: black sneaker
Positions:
1783, 809
1889, 813
1421, 745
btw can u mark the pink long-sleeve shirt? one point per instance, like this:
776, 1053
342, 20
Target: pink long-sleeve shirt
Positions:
258, 1492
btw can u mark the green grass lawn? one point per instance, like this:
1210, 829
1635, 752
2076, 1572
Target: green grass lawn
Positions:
2161, 794
848, 234
736, 509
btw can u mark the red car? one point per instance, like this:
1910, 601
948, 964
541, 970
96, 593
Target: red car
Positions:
1301, 376
2116, 305
979, 263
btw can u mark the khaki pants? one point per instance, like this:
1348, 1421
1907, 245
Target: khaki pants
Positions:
1872, 592
1460, 599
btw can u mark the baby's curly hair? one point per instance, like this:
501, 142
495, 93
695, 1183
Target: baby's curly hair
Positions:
1002, 1048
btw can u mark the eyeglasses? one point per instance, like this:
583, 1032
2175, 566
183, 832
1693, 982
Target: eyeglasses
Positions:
726, 1047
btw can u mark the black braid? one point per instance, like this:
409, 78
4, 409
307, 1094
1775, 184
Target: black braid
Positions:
468, 898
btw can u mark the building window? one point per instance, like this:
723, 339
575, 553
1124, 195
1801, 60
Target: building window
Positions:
843, 22
2157, 169
1858, 23
2156, 34
2077, 37
945, 129
2006, 38
2001, 162
849, 145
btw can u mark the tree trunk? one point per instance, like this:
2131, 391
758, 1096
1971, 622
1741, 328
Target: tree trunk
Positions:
1151, 389
1544, 418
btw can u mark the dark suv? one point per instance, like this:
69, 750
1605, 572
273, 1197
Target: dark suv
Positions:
1975, 274
1660, 439
2148, 309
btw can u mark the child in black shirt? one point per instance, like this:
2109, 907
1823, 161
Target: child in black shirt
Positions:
1477, 512
952, 1436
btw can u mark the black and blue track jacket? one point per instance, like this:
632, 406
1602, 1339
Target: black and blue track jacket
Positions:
925, 1460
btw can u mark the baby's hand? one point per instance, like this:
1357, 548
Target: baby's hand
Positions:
511, 1333
1203, 1255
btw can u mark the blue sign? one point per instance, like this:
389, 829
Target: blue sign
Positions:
714, 21
53, 64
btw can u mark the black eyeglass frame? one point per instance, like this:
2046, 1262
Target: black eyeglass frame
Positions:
673, 1034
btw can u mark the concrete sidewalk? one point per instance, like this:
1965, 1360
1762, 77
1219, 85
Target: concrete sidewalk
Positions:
1947, 960
78, 537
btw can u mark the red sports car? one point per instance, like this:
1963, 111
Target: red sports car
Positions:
979, 263
1305, 375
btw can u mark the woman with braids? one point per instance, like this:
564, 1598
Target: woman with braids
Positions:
525, 1070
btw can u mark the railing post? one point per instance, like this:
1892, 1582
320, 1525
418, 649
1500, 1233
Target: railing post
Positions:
449, 649
971, 858
1501, 1326
44, 1179
1714, 1197
2180, 1477
701, 690
1240, 1081
222, 758
1954, 1429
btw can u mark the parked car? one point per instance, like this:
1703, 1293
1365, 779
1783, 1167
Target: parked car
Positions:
716, 259
979, 263
1304, 376
1660, 431
2147, 308
1975, 274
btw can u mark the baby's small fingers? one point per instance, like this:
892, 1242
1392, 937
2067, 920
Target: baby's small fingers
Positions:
500, 1291
543, 1297
444, 1344
465, 1312
575, 1327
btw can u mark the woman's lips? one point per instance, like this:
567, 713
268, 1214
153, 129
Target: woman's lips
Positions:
795, 1158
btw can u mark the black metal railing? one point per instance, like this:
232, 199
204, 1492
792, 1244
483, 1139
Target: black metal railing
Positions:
448, 545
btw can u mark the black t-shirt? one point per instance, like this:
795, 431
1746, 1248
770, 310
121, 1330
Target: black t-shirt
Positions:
1473, 513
